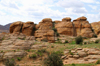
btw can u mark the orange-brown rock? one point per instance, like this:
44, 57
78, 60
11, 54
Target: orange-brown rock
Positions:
65, 27
57, 21
82, 27
67, 19
16, 27
28, 28
45, 31
96, 27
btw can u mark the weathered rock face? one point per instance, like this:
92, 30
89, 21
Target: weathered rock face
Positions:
44, 30
16, 27
65, 27
28, 28
96, 27
82, 27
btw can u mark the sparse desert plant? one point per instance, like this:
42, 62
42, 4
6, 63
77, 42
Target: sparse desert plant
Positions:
52, 46
73, 64
33, 56
79, 40
95, 35
66, 41
9, 62
70, 52
19, 59
53, 59
28, 50
98, 62
58, 39
97, 41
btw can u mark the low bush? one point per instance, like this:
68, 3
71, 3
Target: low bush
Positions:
33, 56
53, 59
66, 41
95, 35
98, 62
79, 40
19, 59
9, 62
97, 41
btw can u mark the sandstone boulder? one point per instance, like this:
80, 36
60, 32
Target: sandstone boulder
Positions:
45, 31
65, 27
28, 28
82, 27
96, 27
16, 27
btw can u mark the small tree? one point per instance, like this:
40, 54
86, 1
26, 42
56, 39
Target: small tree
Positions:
79, 40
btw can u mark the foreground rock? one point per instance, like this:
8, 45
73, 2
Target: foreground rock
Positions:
80, 55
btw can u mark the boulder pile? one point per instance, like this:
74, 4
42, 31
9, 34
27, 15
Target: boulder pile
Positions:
44, 30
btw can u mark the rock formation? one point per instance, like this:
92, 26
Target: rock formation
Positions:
96, 27
82, 27
16, 27
28, 28
44, 30
20, 27
65, 27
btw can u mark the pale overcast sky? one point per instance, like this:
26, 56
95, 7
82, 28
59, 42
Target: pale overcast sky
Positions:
36, 10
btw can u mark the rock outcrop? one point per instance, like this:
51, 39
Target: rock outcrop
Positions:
96, 27
82, 27
44, 30
28, 28
65, 27
20, 27
16, 27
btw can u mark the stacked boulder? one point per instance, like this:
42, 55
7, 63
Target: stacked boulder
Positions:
16, 27
20, 27
82, 27
28, 28
44, 30
65, 27
96, 27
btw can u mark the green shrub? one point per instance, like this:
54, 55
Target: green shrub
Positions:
97, 41
66, 41
73, 64
95, 35
70, 52
57, 34
19, 59
58, 39
42, 50
39, 53
54, 29
60, 53
53, 60
79, 40
85, 42
33, 56
98, 62
28, 50
9, 62
52, 46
